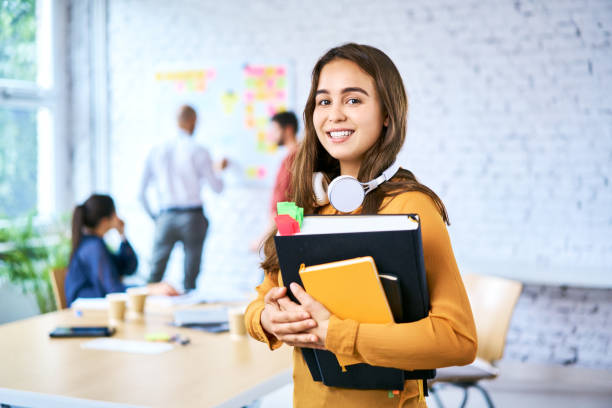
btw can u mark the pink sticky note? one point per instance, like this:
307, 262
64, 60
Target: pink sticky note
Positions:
286, 224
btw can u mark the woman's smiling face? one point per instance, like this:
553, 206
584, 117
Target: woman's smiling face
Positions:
348, 116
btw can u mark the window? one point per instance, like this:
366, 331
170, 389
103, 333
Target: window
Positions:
18, 39
18, 161
31, 105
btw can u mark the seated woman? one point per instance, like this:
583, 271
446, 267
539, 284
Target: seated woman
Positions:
95, 271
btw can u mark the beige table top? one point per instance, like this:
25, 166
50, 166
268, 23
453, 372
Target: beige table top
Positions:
212, 371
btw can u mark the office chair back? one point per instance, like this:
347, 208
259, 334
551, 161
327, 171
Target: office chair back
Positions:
58, 276
492, 300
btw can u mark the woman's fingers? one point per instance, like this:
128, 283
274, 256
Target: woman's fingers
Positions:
274, 294
280, 322
287, 304
310, 304
293, 327
289, 316
300, 294
288, 321
301, 340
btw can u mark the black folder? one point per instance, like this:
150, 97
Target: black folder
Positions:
395, 252
393, 292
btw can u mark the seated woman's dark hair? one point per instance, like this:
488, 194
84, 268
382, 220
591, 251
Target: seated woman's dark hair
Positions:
89, 214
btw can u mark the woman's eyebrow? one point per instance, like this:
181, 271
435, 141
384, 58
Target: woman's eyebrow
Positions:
345, 90
355, 89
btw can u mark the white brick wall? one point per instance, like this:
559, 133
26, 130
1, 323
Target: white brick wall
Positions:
563, 326
510, 122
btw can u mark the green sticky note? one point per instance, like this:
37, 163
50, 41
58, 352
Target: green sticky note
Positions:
286, 207
157, 336
390, 395
291, 209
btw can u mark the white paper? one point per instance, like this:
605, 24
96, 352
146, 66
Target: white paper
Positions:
89, 304
330, 224
127, 346
207, 295
201, 316
191, 298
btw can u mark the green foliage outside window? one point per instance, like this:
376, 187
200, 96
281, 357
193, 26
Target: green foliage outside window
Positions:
18, 39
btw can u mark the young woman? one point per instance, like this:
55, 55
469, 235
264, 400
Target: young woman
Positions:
355, 119
94, 271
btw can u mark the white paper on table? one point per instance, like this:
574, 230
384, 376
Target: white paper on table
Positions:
90, 304
191, 298
209, 295
127, 346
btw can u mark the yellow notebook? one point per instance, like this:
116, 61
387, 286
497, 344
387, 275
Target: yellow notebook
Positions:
349, 289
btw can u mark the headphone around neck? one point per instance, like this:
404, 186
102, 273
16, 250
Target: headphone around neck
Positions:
346, 193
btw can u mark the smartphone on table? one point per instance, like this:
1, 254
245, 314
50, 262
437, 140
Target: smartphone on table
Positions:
82, 331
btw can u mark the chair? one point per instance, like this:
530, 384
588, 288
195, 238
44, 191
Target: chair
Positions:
58, 276
493, 300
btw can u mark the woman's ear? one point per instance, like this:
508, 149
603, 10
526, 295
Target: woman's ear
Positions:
386, 121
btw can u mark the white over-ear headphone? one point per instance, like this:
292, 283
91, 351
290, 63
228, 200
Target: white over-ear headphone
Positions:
346, 193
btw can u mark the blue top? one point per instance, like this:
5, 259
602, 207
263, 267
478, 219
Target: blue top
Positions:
95, 271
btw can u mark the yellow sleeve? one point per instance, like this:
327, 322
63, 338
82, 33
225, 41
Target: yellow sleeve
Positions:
252, 315
446, 337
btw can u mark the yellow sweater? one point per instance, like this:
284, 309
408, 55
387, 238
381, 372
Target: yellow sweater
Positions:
446, 337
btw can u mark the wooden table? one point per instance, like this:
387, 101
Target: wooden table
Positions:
212, 371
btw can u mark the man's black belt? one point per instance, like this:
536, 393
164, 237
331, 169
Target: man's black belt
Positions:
184, 209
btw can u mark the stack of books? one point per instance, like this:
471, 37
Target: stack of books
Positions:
368, 268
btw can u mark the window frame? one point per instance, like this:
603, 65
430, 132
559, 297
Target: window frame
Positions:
48, 96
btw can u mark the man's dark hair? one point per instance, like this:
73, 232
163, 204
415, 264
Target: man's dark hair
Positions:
285, 119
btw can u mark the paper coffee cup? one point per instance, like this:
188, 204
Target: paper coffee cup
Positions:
136, 299
237, 326
116, 308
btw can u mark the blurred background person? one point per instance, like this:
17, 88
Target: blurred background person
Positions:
94, 270
283, 131
178, 169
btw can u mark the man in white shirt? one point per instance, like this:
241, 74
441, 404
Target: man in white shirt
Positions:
178, 169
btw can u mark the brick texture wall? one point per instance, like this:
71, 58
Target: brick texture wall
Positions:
510, 122
562, 325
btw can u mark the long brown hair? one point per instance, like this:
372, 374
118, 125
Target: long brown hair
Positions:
312, 156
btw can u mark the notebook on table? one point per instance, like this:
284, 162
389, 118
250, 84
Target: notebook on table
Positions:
212, 319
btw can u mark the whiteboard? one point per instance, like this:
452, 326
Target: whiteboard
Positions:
234, 102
